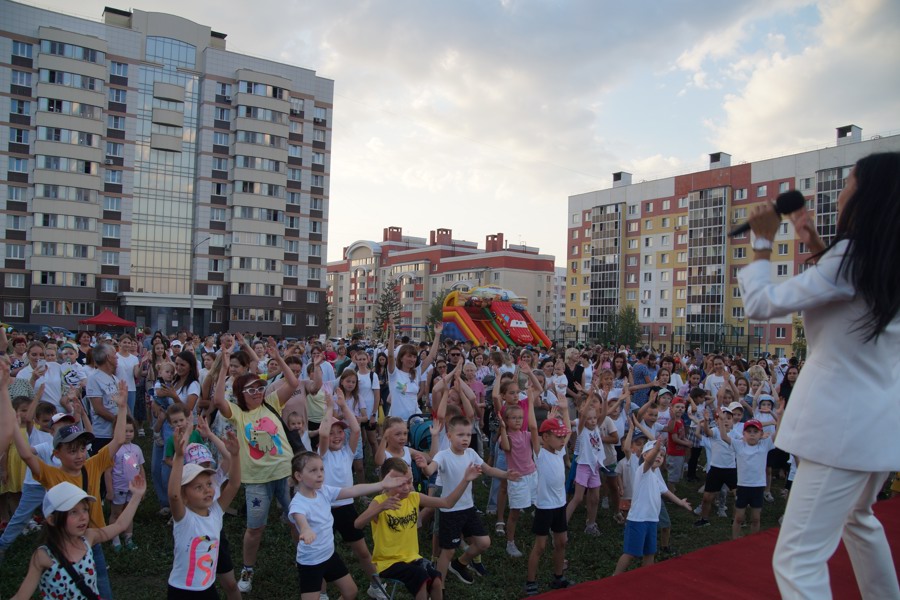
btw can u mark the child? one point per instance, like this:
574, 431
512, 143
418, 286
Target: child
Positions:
722, 470
516, 444
649, 488
765, 405
461, 520
310, 509
626, 467
66, 567
393, 519
338, 457
590, 461
751, 452
348, 387
548, 444
677, 446
178, 415
369, 397
127, 464
197, 516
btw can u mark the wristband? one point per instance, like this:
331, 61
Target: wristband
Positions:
761, 244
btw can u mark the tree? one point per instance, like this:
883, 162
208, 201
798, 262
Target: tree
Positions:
799, 344
388, 308
436, 312
623, 328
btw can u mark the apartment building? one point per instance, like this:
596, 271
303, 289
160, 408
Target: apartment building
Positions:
426, 268
149, 170
662, 247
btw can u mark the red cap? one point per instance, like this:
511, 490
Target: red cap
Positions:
753, 423
554, 426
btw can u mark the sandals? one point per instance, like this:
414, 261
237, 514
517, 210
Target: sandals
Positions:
500, 528
619, 518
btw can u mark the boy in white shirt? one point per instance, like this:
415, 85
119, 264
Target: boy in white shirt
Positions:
722, 470
649, 487
751, 453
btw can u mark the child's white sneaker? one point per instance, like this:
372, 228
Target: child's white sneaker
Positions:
512, 550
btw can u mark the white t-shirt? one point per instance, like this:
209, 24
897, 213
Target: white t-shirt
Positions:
405, 457
559, 383
339, 470
367, 384
713, 382
751, 461
452, 469
196, 549
42, 444
104, 386
551, 486
607, 428
721, 454
52, 380
646, 498
404, 393
125, 370
625, 468
317, 512
589, 448
588, 376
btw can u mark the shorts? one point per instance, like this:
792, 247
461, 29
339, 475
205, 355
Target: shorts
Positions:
619, 453
719, 476
121, 497
311, 576
640, 538
209, 593
749, 495
344, 516
608, 471
586, 477
522, 494
413, 575
549, 519
457, 525
664, 521
224, 565
675, 468
259, 498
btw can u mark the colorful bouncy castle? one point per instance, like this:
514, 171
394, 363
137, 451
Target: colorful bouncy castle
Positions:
491, 316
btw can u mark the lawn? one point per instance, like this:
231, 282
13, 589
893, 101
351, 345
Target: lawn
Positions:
143, 573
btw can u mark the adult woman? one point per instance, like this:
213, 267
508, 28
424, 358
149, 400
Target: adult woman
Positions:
381, 364
40, 372
574, 375
265, 451
186, 387
620, 371
481, 369
850, 298
17, 360
84, 347
404, 378
128, 368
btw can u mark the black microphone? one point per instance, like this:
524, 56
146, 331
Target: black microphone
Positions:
786, 203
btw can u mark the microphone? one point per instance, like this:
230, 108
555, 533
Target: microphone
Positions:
786, 203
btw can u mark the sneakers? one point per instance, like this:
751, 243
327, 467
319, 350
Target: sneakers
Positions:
140, 432
245, 583
130, 545
323, 596
531, 588
479, 569
500, 528
559, 583
723, 512
605, 503
592, 529
769, 497
701, 523
376, 592
512, 550
117, 548
619, 518
32, 526
697, 510
457, 568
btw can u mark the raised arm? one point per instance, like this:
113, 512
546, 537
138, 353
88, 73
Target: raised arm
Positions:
8, 417
291, 383
229, 492
121, 399
222, 404
390, 347
180, 438
254, 359
137, 487
432, 353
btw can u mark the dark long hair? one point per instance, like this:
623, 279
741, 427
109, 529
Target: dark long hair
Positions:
193, 374
869, 222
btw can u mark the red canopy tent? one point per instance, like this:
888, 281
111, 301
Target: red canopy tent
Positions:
107, 318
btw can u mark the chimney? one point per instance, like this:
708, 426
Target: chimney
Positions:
493, 243
393, 234
442, 237
621, 178
717, 160
848, 134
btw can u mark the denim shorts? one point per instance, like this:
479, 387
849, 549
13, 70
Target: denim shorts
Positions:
259, 500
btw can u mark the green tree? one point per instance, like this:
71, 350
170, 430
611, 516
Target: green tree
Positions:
799, 343
436, 312
388, 308
622, 327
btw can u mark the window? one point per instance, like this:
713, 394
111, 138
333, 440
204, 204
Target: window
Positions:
319, 135
782, 270
316, 250
648, 242
664, 276
109, 286
737, 312
632, 244
318, 181
84, 224
292, 246
320, 113
780, 333
221, 139
760, 191
115, 149
648, 259
110, 258
15, 193
220, 163
288, 319
740, 252
664, 240
664, 312
48, 249
217, 240
15, 222
645, 312
318, 158
666, 204
14, 280
295, 174
648, 207
315, 226
666, 222
219, 189
19, 136
14, 309
112, 176
115, 122
47, 278
632, 261
117, 95
119, 69
736, 292
803, 249
312, 297
216, 265
740, 194
648, 277
782, 249
631, 295
15, 251
112, 203
19, 107
18, 165
648, 224
217, 214
315, 273
111, 230
22, 49
22, 78
223, 89
783, 228
633, 227
783, 187
222, 114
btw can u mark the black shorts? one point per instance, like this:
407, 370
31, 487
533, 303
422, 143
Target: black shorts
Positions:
549, 519
412, 574
749, 495
209, 593
224, 565
719, 476
344, 516
311, 576
457, 525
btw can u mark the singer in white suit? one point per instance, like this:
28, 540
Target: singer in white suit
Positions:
843, 418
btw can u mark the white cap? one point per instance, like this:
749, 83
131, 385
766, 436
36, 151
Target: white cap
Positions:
64, 497
735, 405
614, 393
650, 445
191, 471
60, 416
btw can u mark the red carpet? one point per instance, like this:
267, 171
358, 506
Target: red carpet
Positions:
740, 569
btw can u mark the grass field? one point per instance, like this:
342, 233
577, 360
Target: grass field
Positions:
143, 573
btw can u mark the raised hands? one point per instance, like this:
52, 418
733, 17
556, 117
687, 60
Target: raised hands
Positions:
473, 472
121, 397
138, 485
390, 503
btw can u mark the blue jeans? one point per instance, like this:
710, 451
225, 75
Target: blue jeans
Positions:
499, 463
159, 472
131, 399
102, 573
32, 498
259, 498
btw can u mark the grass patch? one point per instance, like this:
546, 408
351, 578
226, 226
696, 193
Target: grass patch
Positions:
143, 574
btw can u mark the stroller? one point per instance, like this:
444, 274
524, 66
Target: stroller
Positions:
419, 439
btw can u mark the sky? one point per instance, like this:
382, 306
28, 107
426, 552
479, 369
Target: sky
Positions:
483, 116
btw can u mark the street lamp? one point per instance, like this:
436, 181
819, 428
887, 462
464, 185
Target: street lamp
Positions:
191, 284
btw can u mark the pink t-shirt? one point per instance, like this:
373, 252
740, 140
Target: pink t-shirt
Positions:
520, 457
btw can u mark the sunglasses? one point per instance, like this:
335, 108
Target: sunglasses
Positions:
452, 354
255, 390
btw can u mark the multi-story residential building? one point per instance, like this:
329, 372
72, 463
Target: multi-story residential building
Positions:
557, 326
149, 170
425, 269
662, 247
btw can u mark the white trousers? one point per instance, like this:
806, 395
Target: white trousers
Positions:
826, 505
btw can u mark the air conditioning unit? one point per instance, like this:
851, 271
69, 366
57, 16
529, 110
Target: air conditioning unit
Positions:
228, 99
108, 161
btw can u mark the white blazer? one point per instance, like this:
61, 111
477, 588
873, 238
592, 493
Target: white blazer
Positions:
844, 410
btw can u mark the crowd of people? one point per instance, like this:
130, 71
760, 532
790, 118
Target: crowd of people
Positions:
304, 424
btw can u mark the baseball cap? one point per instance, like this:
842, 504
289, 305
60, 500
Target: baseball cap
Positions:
340, 424
735, 405
63, 497
176, 343
196, 454
663, 392
726, 409
191, 471
70, 433
766, 398
66, 347
753, 423
650, 445
554, 426
60, 416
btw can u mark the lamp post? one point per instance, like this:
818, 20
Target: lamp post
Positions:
191, 284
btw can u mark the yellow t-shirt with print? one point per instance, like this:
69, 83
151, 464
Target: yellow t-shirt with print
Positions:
265, 450
95, 466
396, 534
